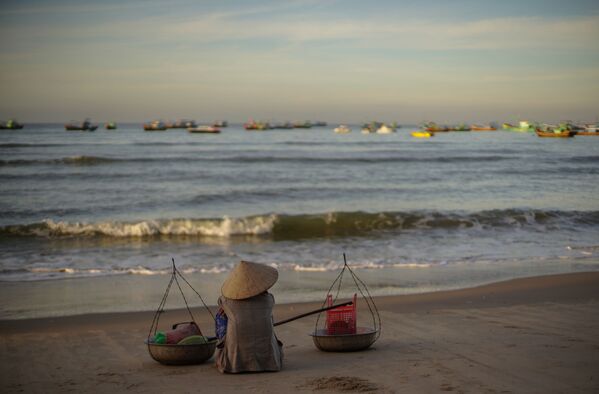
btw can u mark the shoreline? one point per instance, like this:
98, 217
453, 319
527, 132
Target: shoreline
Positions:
501, 293
535, 334
141, 293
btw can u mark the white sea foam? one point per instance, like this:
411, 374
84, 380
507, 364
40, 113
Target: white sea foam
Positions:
412, 265
335, 266
146, 271
224, 227
302, 268
45, 270
137, 270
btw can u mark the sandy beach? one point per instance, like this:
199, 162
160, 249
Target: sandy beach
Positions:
532, 335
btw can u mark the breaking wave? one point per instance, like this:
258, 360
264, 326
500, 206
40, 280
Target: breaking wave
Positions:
326, 225
245, 158
72, 160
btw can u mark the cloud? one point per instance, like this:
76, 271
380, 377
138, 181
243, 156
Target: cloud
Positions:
488, 34
289, 25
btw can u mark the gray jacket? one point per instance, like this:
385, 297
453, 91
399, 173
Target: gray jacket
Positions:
250, 344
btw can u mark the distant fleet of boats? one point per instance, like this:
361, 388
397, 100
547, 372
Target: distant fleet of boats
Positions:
264, 125
565, 129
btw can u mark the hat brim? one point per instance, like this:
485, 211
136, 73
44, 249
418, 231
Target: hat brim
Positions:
249, 279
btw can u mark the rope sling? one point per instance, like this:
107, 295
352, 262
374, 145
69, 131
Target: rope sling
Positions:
362, 288
175, 276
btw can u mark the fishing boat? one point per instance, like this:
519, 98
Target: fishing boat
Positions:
371, 128
589, 129
302, 125
86, 125
180, 124
282, 126
523, 127
476, 127
155, 125
587, 133
110, 126
460, 127
554, 133
342, 129
433, 127
10, 124
384, 129
204, 129
422, 134
254, 125
220, 124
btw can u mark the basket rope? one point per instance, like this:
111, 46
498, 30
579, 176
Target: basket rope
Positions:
376, 318
174, 278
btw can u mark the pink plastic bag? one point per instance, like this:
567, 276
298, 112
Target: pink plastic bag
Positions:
180, 331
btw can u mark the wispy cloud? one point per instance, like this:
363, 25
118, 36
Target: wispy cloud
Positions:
256, 56
503, 33
247, 26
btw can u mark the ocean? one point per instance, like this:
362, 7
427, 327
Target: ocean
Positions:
90, 221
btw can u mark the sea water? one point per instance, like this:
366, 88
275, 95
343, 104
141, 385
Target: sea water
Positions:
90, 221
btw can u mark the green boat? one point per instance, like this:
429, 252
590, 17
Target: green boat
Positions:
460, 127
523, 127
11, 124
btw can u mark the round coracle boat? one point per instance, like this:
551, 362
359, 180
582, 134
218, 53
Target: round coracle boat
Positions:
182, 354
362, 339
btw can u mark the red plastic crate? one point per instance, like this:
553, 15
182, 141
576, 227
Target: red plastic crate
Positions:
341, 320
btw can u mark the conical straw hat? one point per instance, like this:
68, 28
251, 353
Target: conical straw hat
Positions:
248, 280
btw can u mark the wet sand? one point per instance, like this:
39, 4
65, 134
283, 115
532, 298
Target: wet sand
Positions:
534, 335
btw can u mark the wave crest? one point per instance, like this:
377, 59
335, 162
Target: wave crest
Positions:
177, 227
325, 225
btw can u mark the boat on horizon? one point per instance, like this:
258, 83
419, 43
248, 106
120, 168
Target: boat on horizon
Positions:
476, 127
432, 127
460, 127
110, 126
523, 127
10, 124
86, 125
206, 129
302, 125
180, 124
554, 133
282, 126
589, 129
256, 125
384, 129
220, 123
155, 125
342, 129
422, 134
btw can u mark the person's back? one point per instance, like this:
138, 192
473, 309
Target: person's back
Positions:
250, 344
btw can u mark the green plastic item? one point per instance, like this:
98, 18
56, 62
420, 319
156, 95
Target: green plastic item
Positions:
160, 337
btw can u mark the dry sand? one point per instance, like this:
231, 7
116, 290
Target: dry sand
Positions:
534, 335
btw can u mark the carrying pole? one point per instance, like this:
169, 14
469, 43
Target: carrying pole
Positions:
303, 315
312, 313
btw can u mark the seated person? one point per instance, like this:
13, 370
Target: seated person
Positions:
250, 344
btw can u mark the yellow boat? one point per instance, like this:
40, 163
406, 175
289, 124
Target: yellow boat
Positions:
422, 134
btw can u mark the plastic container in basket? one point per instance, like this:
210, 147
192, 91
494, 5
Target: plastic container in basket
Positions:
341, 320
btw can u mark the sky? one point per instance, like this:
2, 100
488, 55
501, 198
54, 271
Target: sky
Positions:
338, 61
